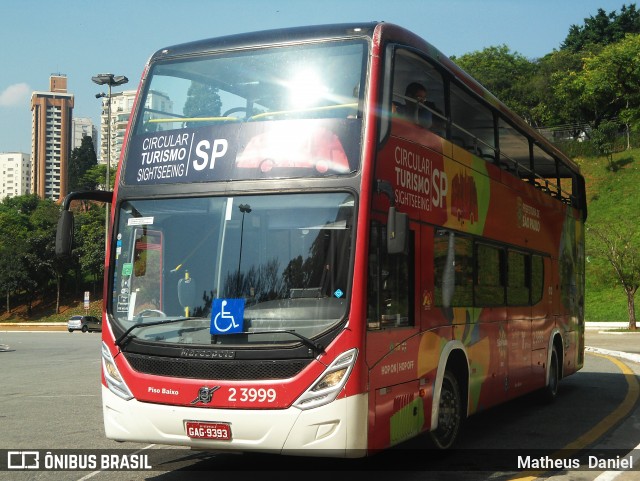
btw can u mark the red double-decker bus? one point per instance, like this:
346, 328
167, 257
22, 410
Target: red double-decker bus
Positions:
328, 240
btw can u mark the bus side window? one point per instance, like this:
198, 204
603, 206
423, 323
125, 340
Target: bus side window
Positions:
418, 92
514, 148
489, 285
518, 278
537, 279
472, 124
391, 280
453, 269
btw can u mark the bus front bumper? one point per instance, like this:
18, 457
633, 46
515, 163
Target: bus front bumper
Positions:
337, 429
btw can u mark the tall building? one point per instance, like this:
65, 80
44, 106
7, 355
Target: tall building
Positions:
15, 174
81, 127
52, 113
121, 107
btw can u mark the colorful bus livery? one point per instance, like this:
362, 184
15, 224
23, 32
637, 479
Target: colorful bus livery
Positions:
329, 240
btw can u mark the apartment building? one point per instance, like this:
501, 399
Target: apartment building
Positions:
121, 107
81, 127
15, 174
52, 113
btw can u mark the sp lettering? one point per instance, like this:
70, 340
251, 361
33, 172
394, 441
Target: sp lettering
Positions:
207, 153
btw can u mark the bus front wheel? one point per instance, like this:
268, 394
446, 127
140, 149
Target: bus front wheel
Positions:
449, 413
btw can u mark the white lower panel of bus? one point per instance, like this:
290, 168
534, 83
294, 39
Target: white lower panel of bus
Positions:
337, 429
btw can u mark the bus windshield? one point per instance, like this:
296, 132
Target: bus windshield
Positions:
282, 260
292, 111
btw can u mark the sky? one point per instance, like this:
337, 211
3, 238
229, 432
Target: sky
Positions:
82, 38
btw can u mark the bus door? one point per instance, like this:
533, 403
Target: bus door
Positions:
392, 342
524, 272
542, 319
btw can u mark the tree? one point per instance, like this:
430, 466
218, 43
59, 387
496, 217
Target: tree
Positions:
96, 176
13, 232
603, 29
90, 242
40, 258
505, 74
622, 251
15, 228
557, 106
81, 160
603, 139
612, 80
606, 87
202, 101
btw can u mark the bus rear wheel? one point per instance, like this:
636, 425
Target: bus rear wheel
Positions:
449, 413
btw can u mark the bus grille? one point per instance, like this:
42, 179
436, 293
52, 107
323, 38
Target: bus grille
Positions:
216, 369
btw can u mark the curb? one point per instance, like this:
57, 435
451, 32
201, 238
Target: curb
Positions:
606, 352
606, 325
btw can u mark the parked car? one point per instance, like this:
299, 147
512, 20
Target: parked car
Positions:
84, 324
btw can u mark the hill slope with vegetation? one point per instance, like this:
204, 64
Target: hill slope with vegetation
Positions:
612, 195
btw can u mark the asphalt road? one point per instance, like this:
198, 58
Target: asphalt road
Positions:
50, 400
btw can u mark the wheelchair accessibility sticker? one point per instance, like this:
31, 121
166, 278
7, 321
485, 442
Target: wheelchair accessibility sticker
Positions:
227, 316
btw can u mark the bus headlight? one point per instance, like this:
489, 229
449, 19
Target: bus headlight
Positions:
115, 383
330, 383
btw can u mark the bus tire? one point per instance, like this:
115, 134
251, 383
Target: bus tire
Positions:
449, 413
550, 391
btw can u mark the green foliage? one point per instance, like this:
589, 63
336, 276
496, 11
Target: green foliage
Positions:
603, 29
82, 159
97, 174
603, 139
28, 266
505, 74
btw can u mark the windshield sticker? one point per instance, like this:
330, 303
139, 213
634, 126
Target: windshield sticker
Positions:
338, 293
127, 269
282, 149
227, 316
140, 221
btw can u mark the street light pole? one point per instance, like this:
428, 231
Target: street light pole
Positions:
111, 81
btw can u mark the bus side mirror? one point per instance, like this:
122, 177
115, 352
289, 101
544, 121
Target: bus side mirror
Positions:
397, 231
64, 234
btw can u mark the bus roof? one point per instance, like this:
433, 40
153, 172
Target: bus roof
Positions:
269, 37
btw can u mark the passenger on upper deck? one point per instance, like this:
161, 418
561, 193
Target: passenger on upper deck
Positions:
417, 108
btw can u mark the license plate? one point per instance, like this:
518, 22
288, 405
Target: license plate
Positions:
203, 430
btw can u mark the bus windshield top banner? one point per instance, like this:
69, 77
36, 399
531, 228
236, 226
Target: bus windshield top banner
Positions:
253, 150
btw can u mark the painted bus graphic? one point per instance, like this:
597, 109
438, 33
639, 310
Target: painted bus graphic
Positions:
464, 198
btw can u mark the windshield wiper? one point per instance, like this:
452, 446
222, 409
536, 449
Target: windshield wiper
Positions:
318, 348
148, 324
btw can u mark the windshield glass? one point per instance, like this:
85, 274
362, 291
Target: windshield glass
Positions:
291, 111
238, 264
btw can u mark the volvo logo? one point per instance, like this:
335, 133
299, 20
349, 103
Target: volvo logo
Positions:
205, 394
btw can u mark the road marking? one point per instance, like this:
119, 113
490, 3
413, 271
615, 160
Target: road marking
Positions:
600, 429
